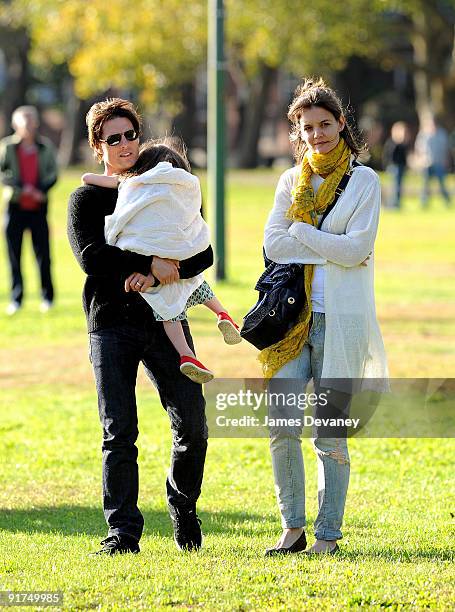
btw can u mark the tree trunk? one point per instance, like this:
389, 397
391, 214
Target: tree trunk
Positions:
253, 117
74, 130
449, 91
15, 45
433, 44
184, 124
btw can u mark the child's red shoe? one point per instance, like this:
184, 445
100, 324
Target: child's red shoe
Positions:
229, 329
195, 370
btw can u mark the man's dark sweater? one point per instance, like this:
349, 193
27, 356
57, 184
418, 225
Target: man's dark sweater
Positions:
106, 303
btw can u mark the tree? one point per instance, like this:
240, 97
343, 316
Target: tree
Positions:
433, 41
429, 27
154, 50
301, 38
117, 45
15, 45
151, 48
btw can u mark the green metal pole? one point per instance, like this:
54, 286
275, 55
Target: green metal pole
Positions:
216, 129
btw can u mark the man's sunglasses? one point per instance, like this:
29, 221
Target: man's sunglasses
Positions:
115, 139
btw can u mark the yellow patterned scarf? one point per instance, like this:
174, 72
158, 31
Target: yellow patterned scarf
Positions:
306, 207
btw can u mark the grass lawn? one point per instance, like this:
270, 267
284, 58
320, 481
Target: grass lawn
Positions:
398, 546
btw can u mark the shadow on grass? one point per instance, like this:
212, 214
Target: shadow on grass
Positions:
83, 520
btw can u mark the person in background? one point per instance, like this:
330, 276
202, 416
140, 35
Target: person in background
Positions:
433, 149
28, 170
395, 155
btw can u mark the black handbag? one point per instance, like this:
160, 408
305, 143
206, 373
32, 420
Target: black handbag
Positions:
281, 298
281, 294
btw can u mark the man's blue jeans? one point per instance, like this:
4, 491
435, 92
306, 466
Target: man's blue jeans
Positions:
332, 453
115, 354
439, 172
397, 172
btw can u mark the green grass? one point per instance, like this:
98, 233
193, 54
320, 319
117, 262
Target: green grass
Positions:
399, 528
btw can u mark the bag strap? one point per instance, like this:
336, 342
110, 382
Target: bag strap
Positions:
339, 190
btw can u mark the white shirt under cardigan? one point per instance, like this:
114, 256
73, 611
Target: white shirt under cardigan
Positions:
317, 287
353, 346
158, 213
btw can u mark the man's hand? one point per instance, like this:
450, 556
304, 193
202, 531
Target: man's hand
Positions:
165, 270
35, 193
139, 282
39, 195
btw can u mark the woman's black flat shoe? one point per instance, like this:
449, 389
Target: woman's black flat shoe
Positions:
298, 546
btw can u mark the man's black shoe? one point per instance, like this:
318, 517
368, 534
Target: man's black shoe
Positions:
187, 528
118, 545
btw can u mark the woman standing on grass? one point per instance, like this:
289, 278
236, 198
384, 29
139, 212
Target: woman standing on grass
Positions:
337, 335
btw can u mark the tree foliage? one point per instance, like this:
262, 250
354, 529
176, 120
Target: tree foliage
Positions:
303, 37
148, 45
428, 26
154, 45
154, 48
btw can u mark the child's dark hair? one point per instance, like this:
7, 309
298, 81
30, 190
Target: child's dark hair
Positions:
153, 152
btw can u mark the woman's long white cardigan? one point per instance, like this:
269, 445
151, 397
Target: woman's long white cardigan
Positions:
353, 347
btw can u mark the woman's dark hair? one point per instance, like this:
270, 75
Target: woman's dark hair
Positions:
153, 152
315, 92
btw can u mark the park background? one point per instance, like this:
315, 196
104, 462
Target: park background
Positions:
392, 61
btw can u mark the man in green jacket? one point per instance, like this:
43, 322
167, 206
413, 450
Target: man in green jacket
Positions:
28, 170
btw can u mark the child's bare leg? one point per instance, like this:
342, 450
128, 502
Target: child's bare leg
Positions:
174, 331
215, 305
189, 365
226, 325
